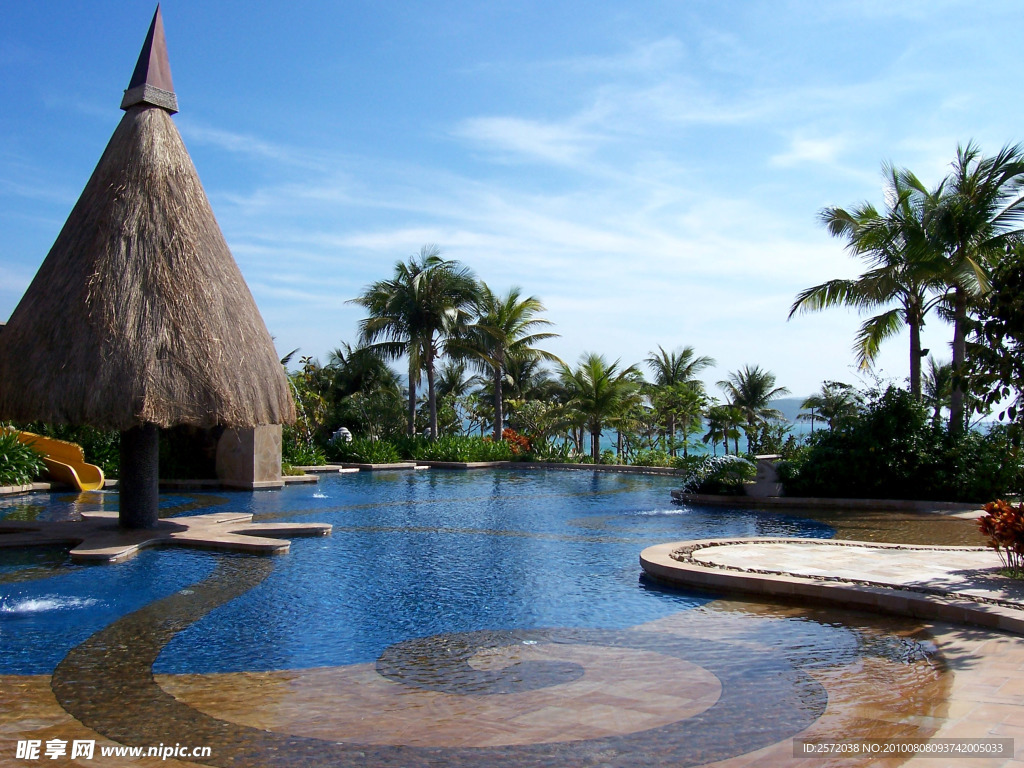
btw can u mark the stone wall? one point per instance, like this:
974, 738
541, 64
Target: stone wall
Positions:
250, 458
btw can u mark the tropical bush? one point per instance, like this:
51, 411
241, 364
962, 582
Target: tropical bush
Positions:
298, 451
362, 450
652, 457
770, 437
517, 443
456, 448
563, 453
719, 475
894, 450
20, 464
1003, 523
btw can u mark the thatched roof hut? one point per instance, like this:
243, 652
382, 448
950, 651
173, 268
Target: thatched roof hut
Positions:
139, 314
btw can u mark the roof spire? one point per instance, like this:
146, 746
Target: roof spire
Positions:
151, 82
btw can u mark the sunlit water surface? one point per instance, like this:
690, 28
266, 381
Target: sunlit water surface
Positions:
412, 554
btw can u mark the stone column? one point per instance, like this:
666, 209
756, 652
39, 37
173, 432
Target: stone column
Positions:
138, 482
249, 458
767, 480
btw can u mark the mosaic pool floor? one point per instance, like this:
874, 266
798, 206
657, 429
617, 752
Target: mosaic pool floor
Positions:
668, 692
687, 682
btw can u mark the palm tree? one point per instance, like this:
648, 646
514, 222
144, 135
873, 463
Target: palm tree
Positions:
903, 267
505, 329
683, 405
358, 368
835, 403
723, 423
812, 406
452, 379
415, 313
972, 217
364, 390
674, 369
600, 392
752, 390
938, 387
528, 379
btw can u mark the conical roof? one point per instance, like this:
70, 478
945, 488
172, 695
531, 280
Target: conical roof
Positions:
139, 312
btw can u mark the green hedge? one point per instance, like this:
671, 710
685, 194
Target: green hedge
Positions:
362, 450
718, 474
20, 464
895, 450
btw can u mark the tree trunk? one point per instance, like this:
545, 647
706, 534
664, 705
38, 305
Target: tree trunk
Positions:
412, 400
672, 435
957, 417
138, 481
915, 357
431, 397
595, 445
499, 405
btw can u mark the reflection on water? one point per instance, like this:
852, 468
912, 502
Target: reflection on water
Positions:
898, 527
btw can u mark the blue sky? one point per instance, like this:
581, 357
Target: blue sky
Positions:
651, 171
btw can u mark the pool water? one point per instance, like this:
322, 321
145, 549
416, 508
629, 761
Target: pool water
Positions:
412, 554
497, 616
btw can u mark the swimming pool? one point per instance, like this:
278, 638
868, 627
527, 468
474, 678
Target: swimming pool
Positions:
448, 611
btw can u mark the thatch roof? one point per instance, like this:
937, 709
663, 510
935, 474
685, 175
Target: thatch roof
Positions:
139, 312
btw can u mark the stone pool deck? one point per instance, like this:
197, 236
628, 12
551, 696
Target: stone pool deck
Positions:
97, 538
955, 590
954, 584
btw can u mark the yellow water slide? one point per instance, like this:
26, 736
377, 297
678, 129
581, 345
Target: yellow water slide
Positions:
64, 461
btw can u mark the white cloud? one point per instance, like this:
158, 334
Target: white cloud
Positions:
246, 144
562, 144
803, 151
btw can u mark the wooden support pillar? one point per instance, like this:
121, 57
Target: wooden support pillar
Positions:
138, 483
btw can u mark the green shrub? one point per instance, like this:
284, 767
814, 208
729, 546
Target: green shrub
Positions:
362, 450
720, 475
687, 463
652, 457
20, 464
894, 450
455, 448
562, 454
302, 454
